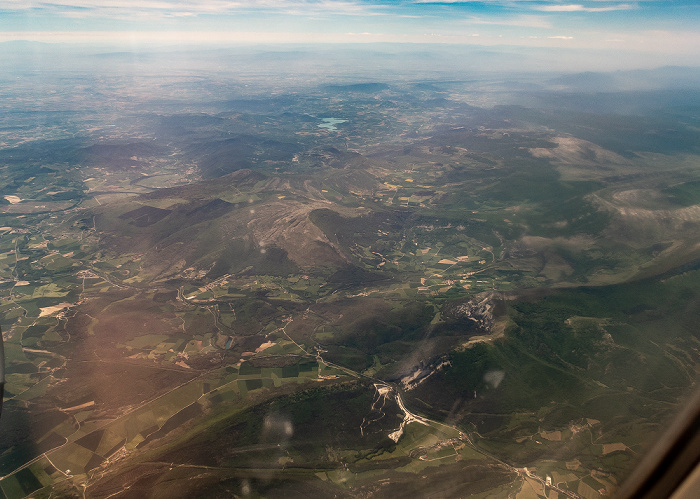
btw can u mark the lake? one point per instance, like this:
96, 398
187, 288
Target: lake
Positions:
330, 123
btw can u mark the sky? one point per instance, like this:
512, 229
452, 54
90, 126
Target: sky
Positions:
662, 27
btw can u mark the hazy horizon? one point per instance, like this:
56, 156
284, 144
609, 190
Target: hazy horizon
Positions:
406, 58
585, 35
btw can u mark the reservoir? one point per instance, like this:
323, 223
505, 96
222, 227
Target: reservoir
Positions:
330, 123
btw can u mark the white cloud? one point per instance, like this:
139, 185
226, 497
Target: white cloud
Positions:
526, 21
581, 8
444, 1
560, 37
124, 8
